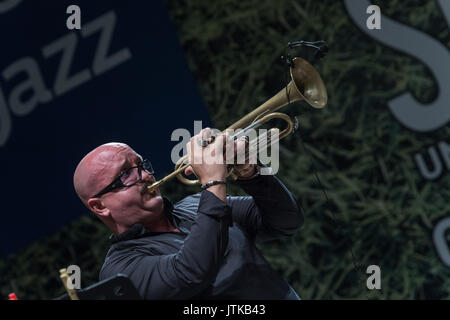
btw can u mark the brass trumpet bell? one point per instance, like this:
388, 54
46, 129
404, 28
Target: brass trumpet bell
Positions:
308, 83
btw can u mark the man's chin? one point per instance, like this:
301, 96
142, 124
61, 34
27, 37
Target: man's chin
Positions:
155, 196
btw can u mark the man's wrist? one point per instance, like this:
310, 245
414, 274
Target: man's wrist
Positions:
212, 183
219, 190
218, 178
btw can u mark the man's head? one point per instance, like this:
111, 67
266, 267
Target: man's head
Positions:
121, 207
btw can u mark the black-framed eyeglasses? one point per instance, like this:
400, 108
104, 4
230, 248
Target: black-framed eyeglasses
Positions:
128, 178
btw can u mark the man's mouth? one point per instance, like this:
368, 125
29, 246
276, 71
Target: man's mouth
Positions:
144, 189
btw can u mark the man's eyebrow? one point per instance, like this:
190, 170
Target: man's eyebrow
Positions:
126, 165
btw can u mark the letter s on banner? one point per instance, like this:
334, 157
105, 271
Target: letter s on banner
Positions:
406, 109
440, 242
5, 6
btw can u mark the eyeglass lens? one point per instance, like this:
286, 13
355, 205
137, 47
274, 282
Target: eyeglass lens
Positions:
133, 175
130, 176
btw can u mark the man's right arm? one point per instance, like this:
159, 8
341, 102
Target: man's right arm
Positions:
193, 268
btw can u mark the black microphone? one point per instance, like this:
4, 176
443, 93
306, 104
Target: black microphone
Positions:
321, 52
320, 46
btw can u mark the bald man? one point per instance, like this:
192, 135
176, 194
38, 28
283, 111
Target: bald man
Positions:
203, 247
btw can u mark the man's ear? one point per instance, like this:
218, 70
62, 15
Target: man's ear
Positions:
96, 205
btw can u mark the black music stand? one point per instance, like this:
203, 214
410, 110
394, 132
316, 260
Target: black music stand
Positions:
118, 287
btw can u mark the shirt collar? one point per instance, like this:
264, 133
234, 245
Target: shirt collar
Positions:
138, 230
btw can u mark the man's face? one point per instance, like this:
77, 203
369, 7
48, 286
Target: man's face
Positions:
128, 205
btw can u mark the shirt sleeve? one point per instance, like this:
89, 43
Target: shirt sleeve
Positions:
271, 211
193, 268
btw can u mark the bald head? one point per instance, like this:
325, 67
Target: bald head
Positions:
123, 206
93, 173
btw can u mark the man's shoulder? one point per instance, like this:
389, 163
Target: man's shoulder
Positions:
192, 199
114, 261
188, 206
190, 203
122, 255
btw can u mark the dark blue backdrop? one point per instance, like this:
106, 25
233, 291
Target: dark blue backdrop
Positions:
145, 93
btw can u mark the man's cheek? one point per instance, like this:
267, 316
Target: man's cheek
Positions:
127, 200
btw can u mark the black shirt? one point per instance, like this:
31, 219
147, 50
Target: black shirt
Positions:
214, 256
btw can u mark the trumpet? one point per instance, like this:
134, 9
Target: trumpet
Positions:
306, 84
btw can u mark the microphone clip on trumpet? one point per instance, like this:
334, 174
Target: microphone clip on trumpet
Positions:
320, 46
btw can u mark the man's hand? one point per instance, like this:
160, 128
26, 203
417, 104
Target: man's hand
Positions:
208, 162
245, 169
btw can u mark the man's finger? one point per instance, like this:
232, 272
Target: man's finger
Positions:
241, 146
188, 171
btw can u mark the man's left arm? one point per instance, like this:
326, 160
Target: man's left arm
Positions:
270, 212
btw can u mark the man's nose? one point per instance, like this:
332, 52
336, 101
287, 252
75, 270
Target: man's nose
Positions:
147, 176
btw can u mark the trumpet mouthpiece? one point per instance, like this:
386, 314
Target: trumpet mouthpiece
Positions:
152, 188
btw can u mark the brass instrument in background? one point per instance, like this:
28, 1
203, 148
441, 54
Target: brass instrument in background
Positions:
306, 84
64, 276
